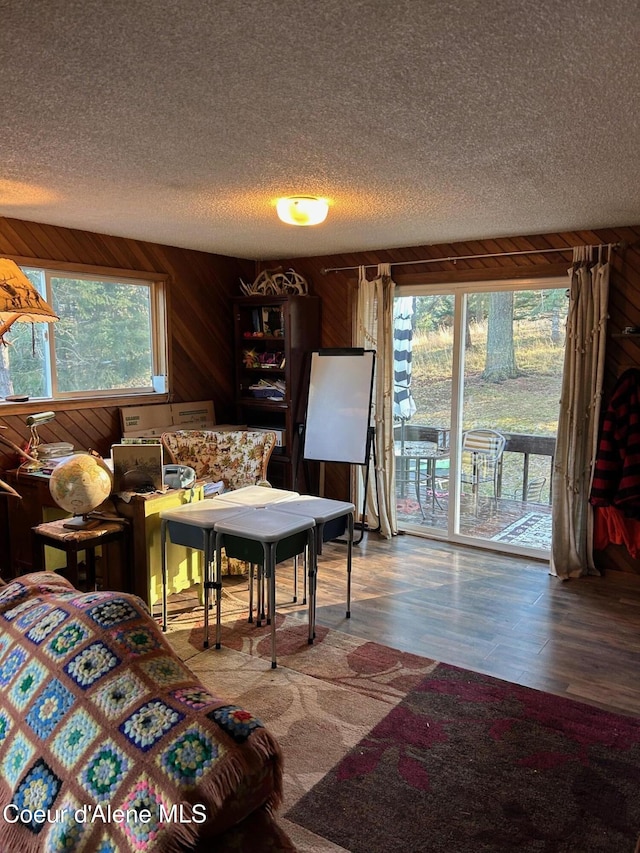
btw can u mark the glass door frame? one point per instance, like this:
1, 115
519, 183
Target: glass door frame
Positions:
461, 291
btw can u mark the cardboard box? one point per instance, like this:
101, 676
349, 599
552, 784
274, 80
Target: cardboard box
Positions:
149, 421
193, 415
139, 419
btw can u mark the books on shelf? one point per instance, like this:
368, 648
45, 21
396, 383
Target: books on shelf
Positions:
268, 390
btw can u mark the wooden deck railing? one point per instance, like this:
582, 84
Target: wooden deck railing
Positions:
527, 446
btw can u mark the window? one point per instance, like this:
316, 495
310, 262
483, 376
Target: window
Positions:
479, 356
110, 338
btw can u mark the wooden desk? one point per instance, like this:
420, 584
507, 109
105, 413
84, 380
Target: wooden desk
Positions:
146, 549
38, 506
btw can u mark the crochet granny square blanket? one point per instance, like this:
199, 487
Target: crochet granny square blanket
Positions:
108, 743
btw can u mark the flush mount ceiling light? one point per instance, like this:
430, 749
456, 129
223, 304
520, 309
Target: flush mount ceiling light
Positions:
302, 210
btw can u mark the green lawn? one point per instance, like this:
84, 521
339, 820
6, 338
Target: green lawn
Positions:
527, 404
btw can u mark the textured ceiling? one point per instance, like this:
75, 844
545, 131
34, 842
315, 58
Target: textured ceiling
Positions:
423, 121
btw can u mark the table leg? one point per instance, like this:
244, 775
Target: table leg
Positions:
38, 554
218, 576
431, 464
416, 472
90, 563
349, 559
72, 567
163, 558
260, 611
304, 580
312, 562
270, 569
214, 565
252, 573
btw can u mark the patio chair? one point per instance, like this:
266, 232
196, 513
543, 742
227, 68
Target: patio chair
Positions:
533, 492
482, 460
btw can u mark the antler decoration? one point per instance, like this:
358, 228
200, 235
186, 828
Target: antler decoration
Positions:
22, 452
276, 283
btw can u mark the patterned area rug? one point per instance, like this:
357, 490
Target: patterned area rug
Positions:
533, 529
319, 702
388, 752
468, 763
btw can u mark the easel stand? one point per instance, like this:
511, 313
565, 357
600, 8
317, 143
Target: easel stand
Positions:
338, 418
371, 453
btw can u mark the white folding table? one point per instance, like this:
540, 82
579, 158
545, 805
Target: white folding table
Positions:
266, 537
332, 518
192, 526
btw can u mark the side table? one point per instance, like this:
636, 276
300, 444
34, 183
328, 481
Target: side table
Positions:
333, 518
55, 535
192, 526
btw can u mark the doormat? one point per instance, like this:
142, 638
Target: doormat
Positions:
533, 530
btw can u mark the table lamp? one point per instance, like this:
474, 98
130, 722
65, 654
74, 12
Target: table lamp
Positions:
33, 422
19, 300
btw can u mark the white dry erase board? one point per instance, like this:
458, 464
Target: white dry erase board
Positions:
339, 406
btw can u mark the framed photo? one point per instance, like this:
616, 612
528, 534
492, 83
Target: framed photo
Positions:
137, 467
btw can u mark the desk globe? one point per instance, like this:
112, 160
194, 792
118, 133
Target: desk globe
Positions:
80, 484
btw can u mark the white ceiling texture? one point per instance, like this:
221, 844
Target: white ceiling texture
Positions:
422, 121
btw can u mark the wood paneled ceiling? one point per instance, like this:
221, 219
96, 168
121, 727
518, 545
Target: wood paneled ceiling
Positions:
423, 122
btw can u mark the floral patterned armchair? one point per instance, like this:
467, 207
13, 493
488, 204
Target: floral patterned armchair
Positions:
237, 457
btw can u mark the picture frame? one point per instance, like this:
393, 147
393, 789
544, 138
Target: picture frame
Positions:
137, 468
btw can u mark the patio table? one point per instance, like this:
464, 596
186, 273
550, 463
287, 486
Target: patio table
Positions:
415, 456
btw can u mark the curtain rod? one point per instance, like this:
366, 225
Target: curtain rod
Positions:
453, 259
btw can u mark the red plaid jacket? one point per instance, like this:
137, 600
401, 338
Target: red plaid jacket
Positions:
616, 479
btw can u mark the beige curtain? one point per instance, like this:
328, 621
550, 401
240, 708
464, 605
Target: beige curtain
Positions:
580, 402
374, 330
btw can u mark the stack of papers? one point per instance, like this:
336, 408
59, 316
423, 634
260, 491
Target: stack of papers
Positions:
273, 390
212, 489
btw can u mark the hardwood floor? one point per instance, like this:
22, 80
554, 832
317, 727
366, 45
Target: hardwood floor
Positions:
497, 614
492, 613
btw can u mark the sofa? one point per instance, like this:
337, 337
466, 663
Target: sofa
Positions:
108, 743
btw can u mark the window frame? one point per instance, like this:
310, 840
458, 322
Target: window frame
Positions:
158, 292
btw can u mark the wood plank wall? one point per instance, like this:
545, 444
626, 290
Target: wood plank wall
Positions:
337, 289
200, 347
202, 284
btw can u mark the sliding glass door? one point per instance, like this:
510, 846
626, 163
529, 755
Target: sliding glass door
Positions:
474, 448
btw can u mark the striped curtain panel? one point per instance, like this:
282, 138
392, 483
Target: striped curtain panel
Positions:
404, 406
